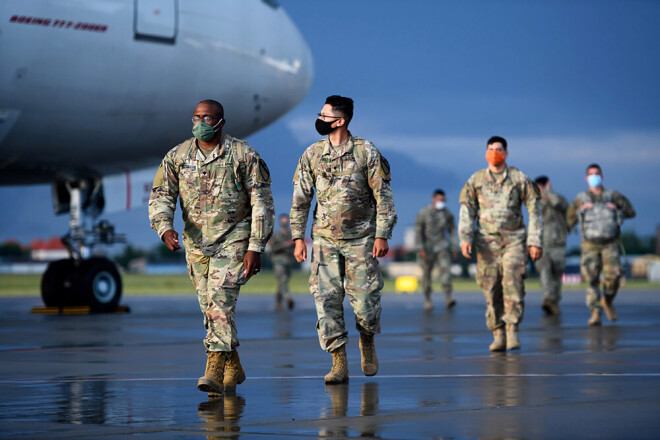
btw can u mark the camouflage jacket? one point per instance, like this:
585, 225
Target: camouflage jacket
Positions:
228, 191
281, 247
497, 207
554, 207
353, 193
435, 229
625, 208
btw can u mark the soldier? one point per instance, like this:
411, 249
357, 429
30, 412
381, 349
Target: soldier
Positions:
353, 219
281, 254
551, 265
600, 212
435, 233
493, 197
228, 217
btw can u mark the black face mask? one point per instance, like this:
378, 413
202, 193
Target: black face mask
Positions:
324, 127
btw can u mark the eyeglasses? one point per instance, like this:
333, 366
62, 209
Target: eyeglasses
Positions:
206, 118
328, 116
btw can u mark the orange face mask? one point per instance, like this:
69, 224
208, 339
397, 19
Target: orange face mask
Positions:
495, 157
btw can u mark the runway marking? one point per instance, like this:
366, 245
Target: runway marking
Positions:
390, 376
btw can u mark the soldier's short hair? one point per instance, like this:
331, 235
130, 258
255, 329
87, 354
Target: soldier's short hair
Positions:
541, 180
341, 104
438, 192
594, 165
499, 139
218, 106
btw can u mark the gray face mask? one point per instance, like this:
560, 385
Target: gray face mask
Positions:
204, 132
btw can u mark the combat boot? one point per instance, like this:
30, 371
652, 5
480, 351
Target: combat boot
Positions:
610, 311
512, 341
499, 340
234, 373
550, 308
213, 377
428, 305
339, 371
595, 317
368, 355
290, 303
449, 301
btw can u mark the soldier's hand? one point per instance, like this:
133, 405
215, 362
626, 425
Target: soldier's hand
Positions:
586, 206
422, 254
380, 248
466, 250
300, 251
251, 263
535, 252
171, 240
611, 205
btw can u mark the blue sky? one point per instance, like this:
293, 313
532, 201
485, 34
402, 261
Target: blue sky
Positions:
566, 82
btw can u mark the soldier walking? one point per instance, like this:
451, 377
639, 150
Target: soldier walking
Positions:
493, 198
600, 212
553, 262
228, 215
281, 254
353, 219
435, 234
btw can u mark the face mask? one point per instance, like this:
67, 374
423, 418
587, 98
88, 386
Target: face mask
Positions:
495, 157
439, 205
594, 180
204, 132
323, 127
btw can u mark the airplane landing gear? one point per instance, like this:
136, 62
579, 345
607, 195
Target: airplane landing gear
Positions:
81, 280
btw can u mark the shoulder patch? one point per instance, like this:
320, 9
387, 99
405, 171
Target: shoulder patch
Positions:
385, 171
263, 171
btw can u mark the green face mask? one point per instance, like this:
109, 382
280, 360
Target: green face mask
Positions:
203, 131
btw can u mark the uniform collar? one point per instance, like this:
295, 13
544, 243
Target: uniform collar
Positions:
219, 149
491, 178
339, 150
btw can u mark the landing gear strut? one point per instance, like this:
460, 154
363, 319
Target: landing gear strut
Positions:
82, 280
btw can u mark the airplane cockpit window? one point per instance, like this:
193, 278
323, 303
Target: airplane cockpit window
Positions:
272, 3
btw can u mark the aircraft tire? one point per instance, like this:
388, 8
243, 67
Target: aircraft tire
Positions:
57, 282
99, 285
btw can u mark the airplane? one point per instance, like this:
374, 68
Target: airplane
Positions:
93, 93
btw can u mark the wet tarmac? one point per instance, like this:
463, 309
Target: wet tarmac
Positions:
111, 376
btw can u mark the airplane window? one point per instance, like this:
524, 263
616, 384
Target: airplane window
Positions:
272, 3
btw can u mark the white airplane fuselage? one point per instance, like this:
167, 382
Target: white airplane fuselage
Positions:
93, 88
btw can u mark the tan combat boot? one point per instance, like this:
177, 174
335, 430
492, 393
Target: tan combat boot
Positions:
234, 373
551, 308
512, 341
499, 340
213, 377
368, 355
428, 305
595, 317
449, 301
610, 311
339, 371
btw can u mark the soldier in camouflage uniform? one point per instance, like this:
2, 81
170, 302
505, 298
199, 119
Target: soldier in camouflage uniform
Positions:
353, 219
281, 254
228, 215
435, 233
600, 212
551, 266
493, 198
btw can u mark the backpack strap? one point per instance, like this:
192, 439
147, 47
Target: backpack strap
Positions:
238, 154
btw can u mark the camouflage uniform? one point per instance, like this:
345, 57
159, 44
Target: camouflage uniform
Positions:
603, 256
435, 233
354, 207
227, 209
500, 238
553, 262
281, 254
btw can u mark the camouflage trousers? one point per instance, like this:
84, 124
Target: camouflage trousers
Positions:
551, 268
342, 267
596, 259
217, 280
443, 260
282, 274
501, 274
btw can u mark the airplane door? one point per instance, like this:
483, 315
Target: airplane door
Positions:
156, 20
